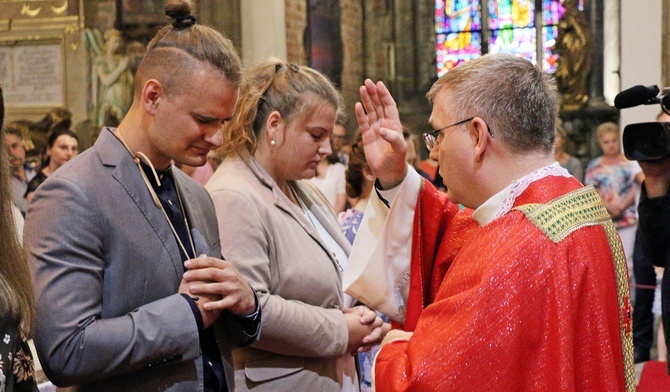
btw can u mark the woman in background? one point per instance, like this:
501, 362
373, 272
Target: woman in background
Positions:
360, 182
617, 181
330, 180
567, 161
292, 250
62, 146
16, 296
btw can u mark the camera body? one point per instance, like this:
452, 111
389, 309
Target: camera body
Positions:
647, 141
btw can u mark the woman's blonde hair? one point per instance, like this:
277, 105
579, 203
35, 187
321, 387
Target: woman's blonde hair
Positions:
606, 128
275, 86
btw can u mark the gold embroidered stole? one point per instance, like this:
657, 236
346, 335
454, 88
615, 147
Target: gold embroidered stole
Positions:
573, 211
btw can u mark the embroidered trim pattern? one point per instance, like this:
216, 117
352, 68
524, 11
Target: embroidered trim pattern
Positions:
521, 184
625, 311
568, 213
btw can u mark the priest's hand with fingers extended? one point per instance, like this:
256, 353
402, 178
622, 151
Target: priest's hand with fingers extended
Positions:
381, 132
221, 286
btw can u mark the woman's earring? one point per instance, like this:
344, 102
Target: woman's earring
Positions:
273, 142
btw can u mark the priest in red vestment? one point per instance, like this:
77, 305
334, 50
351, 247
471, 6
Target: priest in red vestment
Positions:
527, 293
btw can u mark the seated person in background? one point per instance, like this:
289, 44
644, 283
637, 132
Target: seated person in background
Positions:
359, 185
21, 172
412, 148
429, 169
293, 251
62, 145
538, 299
330, 180
55, 119
567, 161
340, 143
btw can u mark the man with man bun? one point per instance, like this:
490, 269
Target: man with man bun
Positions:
132, 293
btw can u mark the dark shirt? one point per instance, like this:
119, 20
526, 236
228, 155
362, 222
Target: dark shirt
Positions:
654, 226
214, 376
654, 233
35, 182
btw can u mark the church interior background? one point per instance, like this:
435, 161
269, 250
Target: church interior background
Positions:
81, 54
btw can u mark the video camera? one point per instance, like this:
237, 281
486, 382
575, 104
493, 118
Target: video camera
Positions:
645, 141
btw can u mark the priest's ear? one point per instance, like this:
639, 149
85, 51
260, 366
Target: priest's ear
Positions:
480, 134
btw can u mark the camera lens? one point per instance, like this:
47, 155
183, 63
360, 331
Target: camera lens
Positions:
646, 141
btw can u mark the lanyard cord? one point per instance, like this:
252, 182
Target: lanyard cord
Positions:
308, 215
138, 157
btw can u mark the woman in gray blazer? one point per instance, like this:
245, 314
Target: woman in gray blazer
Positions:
283, 236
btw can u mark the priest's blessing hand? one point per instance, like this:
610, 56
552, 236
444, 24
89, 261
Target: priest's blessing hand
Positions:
381, 132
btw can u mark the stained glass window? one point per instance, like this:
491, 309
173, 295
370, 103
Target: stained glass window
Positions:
511, 29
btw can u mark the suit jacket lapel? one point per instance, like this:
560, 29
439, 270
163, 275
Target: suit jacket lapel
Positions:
309, 194
285, 204
114, 154
198, 223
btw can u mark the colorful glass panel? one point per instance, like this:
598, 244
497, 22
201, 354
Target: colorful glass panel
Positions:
456, 48
458, 26
520, 42
509, 14
454, 16
511, 28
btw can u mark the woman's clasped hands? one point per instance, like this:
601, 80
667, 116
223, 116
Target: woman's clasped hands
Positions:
365, 327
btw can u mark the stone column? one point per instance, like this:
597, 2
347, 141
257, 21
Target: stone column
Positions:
223, 15
594, 9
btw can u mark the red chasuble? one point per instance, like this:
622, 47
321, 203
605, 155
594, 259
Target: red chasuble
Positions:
537, 300
439, 231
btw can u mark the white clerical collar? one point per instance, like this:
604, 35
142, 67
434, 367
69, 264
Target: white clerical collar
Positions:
503, 201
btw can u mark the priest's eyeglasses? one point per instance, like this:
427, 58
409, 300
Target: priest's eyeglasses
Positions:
432, 138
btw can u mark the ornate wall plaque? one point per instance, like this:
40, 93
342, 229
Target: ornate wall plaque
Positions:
32, 74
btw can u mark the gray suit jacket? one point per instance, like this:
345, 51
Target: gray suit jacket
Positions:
296, 275
106, 273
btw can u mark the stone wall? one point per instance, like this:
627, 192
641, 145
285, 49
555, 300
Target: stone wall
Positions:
388, 40
353, 53
354, 61
296, 22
